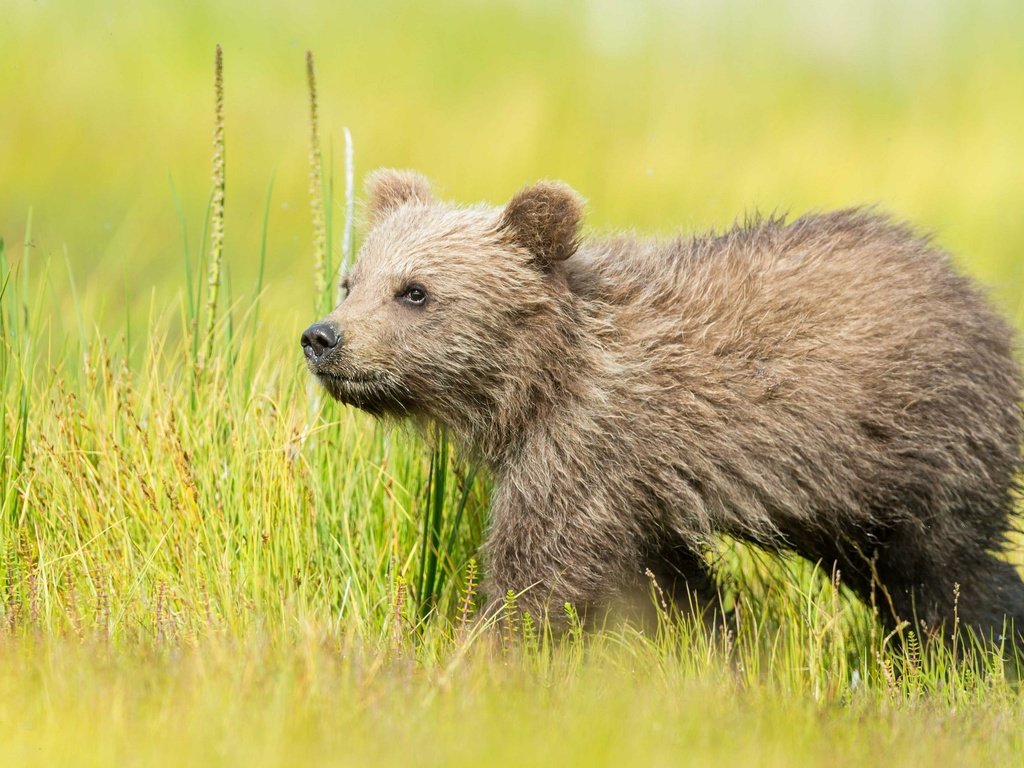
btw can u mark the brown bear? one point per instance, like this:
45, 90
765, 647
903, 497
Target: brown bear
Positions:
829, 386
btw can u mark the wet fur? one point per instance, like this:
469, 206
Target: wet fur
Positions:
829, 386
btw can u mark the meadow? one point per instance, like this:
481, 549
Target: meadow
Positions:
204, 560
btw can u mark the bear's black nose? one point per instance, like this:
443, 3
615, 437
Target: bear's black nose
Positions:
318, 339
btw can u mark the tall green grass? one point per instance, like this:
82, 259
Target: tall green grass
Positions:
198, 492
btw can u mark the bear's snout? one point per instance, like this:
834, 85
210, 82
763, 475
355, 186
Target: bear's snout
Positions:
318, 340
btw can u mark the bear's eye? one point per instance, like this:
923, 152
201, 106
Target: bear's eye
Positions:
414, 294
345, 287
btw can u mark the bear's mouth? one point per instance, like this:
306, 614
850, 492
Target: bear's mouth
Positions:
372, 393
350, 378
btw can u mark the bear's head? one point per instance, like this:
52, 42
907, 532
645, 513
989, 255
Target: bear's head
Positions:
449, 310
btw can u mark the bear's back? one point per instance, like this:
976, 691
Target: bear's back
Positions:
849, 287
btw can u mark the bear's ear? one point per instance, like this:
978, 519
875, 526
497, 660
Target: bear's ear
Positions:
387, 189
544, 219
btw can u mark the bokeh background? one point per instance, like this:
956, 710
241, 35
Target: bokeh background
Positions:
667, 116
202, 559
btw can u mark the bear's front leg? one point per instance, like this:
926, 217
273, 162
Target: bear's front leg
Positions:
548, 556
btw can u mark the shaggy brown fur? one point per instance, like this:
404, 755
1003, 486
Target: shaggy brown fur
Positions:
829, 386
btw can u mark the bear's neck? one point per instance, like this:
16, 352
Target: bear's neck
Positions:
540, 379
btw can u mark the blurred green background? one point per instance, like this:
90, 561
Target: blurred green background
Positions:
667, 116
150, 503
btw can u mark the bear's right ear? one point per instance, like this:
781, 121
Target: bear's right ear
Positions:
544, 219
388, 188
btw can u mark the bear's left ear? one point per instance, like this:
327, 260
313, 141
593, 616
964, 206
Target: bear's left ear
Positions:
387, 188
544, 219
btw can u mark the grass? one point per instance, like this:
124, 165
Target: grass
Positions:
323, 703
227, 568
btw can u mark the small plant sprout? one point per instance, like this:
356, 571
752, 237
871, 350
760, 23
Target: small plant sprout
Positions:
316, 185
213, 279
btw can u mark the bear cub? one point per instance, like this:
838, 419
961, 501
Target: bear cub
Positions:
829, 386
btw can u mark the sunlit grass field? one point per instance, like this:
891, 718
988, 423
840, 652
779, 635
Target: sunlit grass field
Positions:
204, 561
